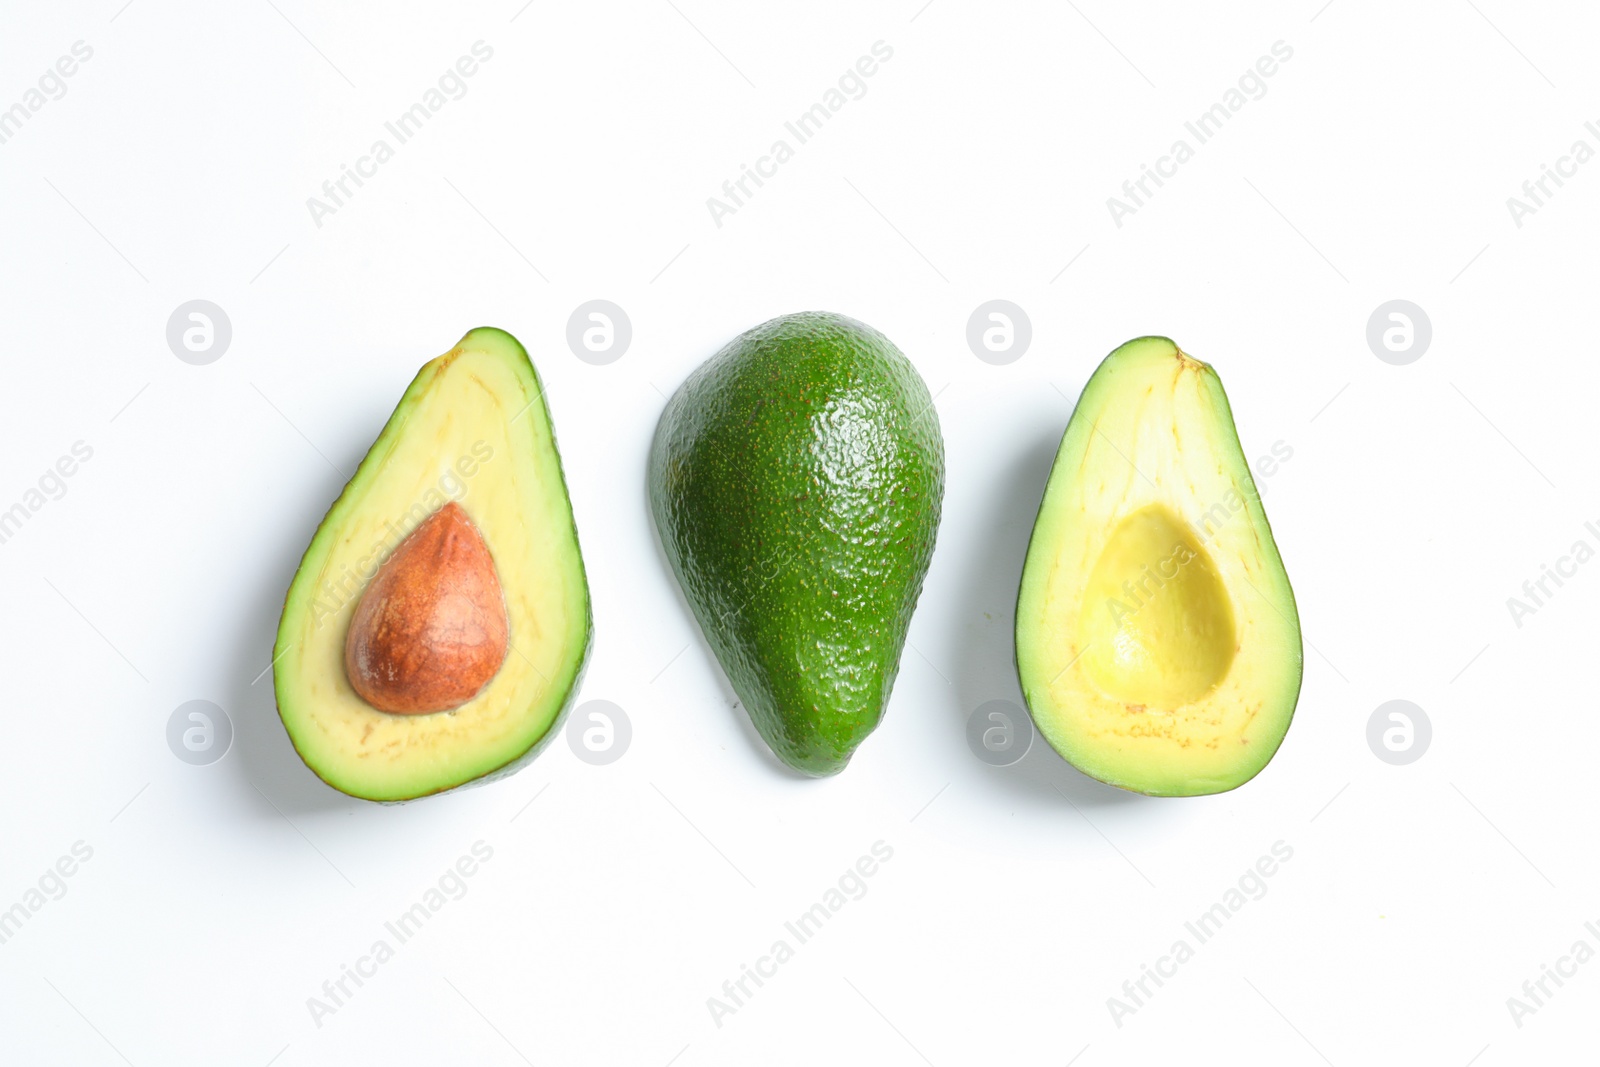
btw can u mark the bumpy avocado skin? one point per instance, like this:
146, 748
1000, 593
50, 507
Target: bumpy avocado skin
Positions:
795, 480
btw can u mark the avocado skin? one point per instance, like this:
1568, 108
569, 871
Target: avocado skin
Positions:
795, 480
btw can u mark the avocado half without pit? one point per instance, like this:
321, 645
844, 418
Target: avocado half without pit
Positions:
439, 622
1158, 643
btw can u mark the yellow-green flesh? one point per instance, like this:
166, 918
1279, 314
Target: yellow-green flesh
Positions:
472, 427
1157, 639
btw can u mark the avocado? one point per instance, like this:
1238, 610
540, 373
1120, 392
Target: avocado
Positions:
795, 481
437, 627
1158, 643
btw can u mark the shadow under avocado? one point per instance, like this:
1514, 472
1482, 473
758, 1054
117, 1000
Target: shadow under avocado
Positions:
262, 755
747, 728
985, 668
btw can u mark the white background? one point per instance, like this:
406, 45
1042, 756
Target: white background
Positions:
977, 166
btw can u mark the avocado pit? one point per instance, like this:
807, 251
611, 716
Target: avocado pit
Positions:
431, 629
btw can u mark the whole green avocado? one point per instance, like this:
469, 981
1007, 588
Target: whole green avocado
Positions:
795, 480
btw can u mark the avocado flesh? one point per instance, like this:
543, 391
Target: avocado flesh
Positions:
472, 427
1158, 643
795, 480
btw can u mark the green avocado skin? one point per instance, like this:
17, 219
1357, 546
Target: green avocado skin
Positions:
795, 480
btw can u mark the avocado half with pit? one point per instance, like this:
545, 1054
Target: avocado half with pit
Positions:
1158, 643
439, 622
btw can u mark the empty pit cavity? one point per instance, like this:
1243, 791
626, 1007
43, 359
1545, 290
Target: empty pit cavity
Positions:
1157, 623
